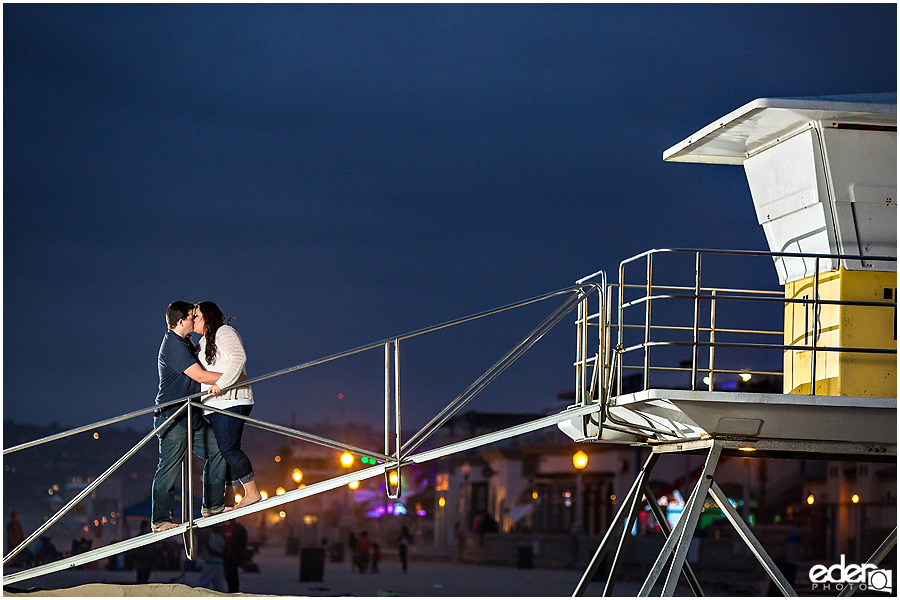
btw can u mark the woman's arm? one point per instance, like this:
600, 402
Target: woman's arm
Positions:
196, 372
228, 342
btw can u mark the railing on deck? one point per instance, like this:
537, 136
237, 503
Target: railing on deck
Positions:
661, 320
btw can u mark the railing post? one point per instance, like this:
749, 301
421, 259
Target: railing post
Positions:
189, 488
696, 322
581, 353
391, 491
621, 326
815, 330
712, 339
647, 322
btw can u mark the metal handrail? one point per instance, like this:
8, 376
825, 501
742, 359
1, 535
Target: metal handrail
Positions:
697, 293
578, 295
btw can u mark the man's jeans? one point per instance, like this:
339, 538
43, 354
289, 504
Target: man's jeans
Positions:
172, 449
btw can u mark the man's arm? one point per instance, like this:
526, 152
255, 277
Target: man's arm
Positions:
196, 372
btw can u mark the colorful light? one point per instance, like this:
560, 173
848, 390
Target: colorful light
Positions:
346, 460
580, 460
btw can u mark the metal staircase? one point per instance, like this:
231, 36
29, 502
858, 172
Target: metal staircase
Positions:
397, 452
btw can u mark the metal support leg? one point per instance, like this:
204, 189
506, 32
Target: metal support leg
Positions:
680, 539
667, 531
756, 548
634, 505
667, 549
610, 532
685, 540
886, 546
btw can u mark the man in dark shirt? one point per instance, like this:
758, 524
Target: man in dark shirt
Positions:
179, 376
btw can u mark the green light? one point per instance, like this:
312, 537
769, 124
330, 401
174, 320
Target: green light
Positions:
365, 460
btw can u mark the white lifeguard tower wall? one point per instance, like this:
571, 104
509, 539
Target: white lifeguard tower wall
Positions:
823, 178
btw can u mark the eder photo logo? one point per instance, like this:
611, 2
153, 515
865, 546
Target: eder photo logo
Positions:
865, 577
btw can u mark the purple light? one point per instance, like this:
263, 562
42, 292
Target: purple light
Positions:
421, 512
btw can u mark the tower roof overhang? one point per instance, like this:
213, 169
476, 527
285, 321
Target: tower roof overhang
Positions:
733, 138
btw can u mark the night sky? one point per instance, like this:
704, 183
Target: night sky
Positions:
334, 175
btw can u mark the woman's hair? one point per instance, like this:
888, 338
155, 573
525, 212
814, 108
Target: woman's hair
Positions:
213, 319
177, 311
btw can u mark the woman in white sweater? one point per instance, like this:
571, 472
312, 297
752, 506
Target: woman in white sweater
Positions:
222, 350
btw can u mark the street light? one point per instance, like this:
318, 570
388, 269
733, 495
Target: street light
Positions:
579, 461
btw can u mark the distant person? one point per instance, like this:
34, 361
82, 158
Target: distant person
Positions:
222, 349
212, 575
376, 557
179, 373
143, 557
235, 546
14, 537
14, 533
403, 546
361, 553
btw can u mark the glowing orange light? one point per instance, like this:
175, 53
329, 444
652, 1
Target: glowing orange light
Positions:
277, 459
810, 499
393, 478
353, 485
854, 499
264, 494
96, 436
297, 475
580, 460
279, 491
441, 502
346, 460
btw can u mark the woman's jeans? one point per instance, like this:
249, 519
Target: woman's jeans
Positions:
228, 432
172, 450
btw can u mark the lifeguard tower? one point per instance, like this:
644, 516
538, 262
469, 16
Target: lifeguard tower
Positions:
823, 179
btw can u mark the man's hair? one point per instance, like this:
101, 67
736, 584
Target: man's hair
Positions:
177, 311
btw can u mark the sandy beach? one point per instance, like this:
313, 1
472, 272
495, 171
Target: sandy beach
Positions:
279, 576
